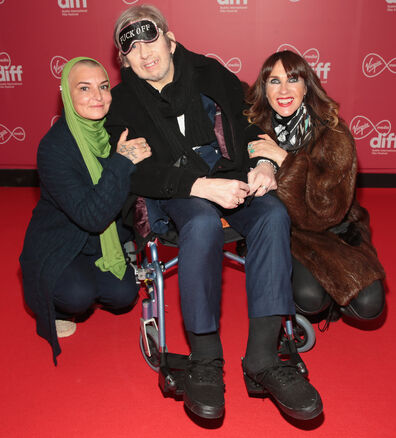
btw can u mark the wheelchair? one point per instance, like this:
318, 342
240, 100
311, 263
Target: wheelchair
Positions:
297, 334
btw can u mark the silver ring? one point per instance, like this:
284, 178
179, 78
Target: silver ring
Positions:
264, 187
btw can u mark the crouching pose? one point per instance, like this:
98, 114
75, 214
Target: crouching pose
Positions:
334, 261
72, 255
189, 109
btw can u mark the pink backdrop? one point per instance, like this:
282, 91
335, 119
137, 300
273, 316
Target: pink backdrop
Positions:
350, 44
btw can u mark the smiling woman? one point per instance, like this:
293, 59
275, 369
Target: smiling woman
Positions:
335, 264
89, 90
73, 253
285, 93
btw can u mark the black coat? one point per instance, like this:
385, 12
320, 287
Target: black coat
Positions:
70, 209
156, 177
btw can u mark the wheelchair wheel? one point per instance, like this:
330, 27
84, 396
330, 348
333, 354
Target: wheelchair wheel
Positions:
152, 337
304, 334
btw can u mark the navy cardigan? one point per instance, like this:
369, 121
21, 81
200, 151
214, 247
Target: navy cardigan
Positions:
70, 209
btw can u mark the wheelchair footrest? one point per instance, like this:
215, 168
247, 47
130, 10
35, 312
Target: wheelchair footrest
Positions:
171, 375
290, 351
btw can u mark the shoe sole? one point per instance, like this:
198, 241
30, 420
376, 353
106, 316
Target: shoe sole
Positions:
257, 391
204, 411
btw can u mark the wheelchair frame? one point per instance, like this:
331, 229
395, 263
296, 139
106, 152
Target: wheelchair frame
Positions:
298, 334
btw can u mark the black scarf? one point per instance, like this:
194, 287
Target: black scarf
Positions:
179, 97
294, 131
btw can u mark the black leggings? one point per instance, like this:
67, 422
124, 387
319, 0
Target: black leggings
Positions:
311, 298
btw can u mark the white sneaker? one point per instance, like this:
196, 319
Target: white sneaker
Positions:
65, 328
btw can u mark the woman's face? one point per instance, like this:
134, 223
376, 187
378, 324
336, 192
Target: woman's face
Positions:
284, 94
89, 91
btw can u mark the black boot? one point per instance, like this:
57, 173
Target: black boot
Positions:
203, 384
266, 375
291, 391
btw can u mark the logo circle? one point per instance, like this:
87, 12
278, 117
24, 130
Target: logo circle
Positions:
56, 65
5, 60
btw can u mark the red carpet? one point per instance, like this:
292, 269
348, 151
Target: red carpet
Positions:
103, 388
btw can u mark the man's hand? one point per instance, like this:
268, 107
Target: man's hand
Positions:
261, 179
228, 193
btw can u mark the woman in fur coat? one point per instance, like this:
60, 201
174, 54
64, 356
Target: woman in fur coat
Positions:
335, 263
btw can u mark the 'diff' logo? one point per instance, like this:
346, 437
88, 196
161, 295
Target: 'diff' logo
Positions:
73, 7
391, 5
374, 64
233, 64
56, 65
312, 56
6, 134
382, 139
10, 75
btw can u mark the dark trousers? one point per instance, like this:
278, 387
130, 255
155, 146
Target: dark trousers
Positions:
311, 298
266, 226
82, 284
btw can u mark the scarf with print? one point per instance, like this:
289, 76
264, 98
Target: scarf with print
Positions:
294, 131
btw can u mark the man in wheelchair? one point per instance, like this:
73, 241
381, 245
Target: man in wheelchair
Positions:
188, 108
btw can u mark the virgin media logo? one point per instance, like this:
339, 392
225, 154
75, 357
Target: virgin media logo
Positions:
5, 60
312, 56
55, 119
2, 1
130, 2
56, 65
361, 127
233, 64
382, 139
374, 64
6, 134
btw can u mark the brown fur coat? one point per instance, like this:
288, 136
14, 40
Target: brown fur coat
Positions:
317, 185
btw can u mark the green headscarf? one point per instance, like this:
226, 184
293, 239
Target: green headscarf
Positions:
93, 141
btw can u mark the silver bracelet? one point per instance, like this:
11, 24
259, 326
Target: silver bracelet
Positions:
266, 160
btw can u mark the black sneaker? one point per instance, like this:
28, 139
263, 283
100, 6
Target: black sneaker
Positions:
291, 391
204, 388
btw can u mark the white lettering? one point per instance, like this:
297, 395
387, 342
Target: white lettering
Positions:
371, 66
384, 142
71, 4
232, 2
11, 74
358, 129
322, 68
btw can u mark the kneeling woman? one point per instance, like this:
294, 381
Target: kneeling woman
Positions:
334, 260
73, 255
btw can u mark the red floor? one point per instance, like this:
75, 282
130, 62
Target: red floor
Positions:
103, 388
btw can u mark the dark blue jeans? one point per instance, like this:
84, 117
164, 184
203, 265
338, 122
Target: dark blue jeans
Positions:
82, 284
266, 226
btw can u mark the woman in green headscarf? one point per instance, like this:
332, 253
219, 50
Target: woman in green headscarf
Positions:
73, 251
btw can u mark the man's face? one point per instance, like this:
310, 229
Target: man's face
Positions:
153, 61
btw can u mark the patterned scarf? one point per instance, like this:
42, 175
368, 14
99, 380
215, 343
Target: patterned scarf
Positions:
93, 141
294, 131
